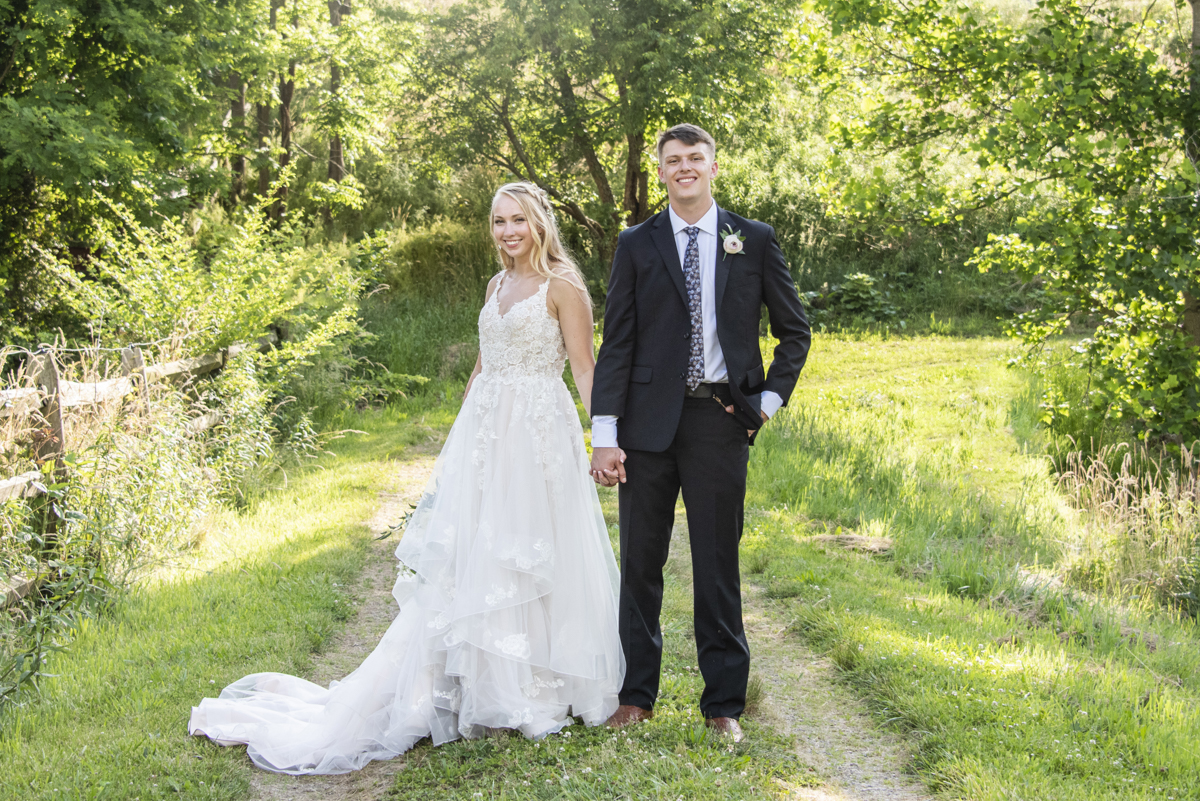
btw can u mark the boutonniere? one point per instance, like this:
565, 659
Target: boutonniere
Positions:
732, 241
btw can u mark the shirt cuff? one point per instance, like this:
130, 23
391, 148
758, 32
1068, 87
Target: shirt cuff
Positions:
604, 431
769, 402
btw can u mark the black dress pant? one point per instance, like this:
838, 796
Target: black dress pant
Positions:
707, 460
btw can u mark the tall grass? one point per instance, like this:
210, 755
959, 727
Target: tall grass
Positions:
420, 320
137, 478
1137, 534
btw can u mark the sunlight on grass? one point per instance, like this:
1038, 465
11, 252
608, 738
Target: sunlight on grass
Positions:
264, 591
955, 630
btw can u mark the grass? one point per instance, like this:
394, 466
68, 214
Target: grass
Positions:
998, 705
264, 591
928, 440
1011, 685
958, 630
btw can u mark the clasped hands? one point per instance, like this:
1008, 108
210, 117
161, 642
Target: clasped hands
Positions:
608, 464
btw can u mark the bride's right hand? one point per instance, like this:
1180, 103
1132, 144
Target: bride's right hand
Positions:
608, 466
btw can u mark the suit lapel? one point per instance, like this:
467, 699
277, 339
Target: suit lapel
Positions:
664, 240
721, 276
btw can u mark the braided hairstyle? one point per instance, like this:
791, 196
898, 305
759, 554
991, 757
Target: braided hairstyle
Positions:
549, 256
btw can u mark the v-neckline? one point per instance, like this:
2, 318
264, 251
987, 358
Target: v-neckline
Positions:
504, 314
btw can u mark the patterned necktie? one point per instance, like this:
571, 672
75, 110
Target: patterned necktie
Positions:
691, 274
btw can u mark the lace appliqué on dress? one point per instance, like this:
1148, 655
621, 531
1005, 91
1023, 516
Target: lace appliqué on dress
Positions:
524, 351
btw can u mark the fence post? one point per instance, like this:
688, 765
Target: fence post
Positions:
134, 364
45, 372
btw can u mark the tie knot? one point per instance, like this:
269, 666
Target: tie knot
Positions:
692, 231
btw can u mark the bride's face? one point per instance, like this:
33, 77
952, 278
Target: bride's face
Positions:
511, 229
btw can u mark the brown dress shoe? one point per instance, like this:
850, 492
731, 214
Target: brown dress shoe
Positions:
726, 726
627, 715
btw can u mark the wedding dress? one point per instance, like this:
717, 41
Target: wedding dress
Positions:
507, 590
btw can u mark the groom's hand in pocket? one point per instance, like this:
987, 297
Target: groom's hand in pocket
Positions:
608, 466
749, 431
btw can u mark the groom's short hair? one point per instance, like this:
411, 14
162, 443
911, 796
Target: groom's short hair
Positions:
688, 134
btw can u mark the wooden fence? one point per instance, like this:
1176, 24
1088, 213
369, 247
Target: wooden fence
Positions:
50, 395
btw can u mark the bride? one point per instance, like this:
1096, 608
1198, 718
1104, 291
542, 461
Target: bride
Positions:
508, 586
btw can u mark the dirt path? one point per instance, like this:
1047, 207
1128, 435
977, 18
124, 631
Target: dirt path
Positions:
832, 729
834, 733
376, 609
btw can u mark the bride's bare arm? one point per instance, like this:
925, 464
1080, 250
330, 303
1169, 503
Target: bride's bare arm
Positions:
491, 287
570, 303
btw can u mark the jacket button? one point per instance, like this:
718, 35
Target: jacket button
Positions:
683, 375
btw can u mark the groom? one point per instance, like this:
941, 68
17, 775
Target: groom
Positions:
678, 396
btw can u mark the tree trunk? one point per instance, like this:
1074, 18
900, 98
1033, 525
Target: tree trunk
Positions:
263, 112
264, 129
637, 182
581, 137
337, 162
287, 90
1191, 136
237, 125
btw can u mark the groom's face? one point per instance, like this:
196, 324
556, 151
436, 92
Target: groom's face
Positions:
687, 171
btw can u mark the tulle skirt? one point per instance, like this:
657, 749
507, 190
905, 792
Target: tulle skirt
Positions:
508, 606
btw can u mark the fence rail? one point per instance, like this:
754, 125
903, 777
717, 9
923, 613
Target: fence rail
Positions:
50, 396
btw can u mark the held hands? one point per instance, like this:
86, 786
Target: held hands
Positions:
608, 466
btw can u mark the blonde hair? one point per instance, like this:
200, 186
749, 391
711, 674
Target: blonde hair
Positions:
548, 250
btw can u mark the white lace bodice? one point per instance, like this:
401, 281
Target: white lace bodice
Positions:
525, 343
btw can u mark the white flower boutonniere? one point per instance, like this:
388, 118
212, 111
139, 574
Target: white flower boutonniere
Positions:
732, 241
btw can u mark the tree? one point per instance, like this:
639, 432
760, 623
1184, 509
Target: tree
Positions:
337, 157
95, 97
1079, 107
566, 94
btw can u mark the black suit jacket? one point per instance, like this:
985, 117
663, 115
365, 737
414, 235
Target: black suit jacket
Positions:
643, 359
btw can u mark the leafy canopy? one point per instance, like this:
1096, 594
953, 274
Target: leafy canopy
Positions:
1079, 110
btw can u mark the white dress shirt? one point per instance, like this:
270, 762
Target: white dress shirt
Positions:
604, 426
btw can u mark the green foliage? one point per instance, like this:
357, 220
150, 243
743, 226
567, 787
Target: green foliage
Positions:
158, 108
569, 95
442, 258
857, 297
243, 442
205, 288
786, 173
973, 635
1114, 239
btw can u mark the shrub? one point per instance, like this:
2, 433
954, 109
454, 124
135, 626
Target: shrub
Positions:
202, 285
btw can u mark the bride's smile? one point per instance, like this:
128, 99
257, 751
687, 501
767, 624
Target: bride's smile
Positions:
510, 228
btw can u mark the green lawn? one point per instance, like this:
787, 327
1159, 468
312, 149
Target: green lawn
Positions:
960, 634
264, 591
1011, 686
